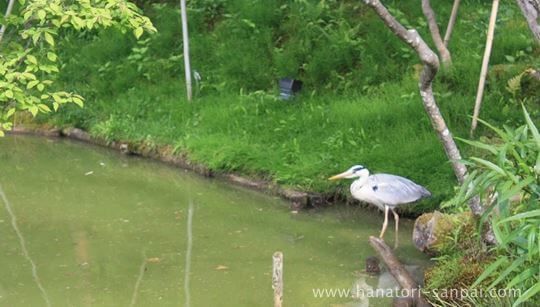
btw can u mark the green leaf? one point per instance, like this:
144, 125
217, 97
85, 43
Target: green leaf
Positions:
531, 126
9, 93
27, 15
51, 56
57, 98
489, 270
2, 133
40, 87
500, 132
138, 32
516, 263
32, 59
481, 145
524, 215
9, 113
34, 110
49, 39
44, 108
35, 37
28, 76
42, 14
515, 190
490, 165
527, 294
31, 84
498, 235
78, 101
527, 273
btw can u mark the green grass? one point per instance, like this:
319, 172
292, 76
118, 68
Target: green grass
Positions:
360, 103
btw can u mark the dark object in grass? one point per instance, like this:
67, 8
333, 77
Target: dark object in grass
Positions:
288, 87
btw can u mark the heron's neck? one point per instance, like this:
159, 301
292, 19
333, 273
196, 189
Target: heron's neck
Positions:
360, 181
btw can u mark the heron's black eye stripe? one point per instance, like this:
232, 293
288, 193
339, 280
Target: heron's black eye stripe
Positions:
356, 169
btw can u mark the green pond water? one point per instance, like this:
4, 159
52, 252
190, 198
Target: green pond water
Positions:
86, 226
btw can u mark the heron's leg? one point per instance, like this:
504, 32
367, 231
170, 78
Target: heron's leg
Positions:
396, 218
385, 222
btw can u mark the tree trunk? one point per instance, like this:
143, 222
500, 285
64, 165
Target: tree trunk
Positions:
8, 12
531, 11
451, 23
485, 63
435, 33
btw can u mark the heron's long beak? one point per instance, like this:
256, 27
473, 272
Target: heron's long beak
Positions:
340, 176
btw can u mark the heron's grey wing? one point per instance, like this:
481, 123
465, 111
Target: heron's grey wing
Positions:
393, 190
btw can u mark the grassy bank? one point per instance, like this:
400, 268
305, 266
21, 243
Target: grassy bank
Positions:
360, 103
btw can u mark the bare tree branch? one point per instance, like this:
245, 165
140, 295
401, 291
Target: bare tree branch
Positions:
451, 22
435, 33
531, 11
485, 63
431, 66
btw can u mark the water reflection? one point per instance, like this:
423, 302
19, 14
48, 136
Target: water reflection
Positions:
22, 243
82, 257
187, 268
142, 269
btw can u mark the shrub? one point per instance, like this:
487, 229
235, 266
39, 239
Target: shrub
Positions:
507, 181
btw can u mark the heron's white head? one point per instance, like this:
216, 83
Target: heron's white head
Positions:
356, 171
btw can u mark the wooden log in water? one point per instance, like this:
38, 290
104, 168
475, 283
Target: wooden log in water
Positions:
402, 276
277, 278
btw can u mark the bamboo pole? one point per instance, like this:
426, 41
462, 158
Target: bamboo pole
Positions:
485, 63
451, 22
8, 12
185, 38
277, 278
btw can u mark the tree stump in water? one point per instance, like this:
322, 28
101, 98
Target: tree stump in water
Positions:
372, 265
277, 278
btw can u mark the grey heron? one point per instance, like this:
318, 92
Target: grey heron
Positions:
383, 190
